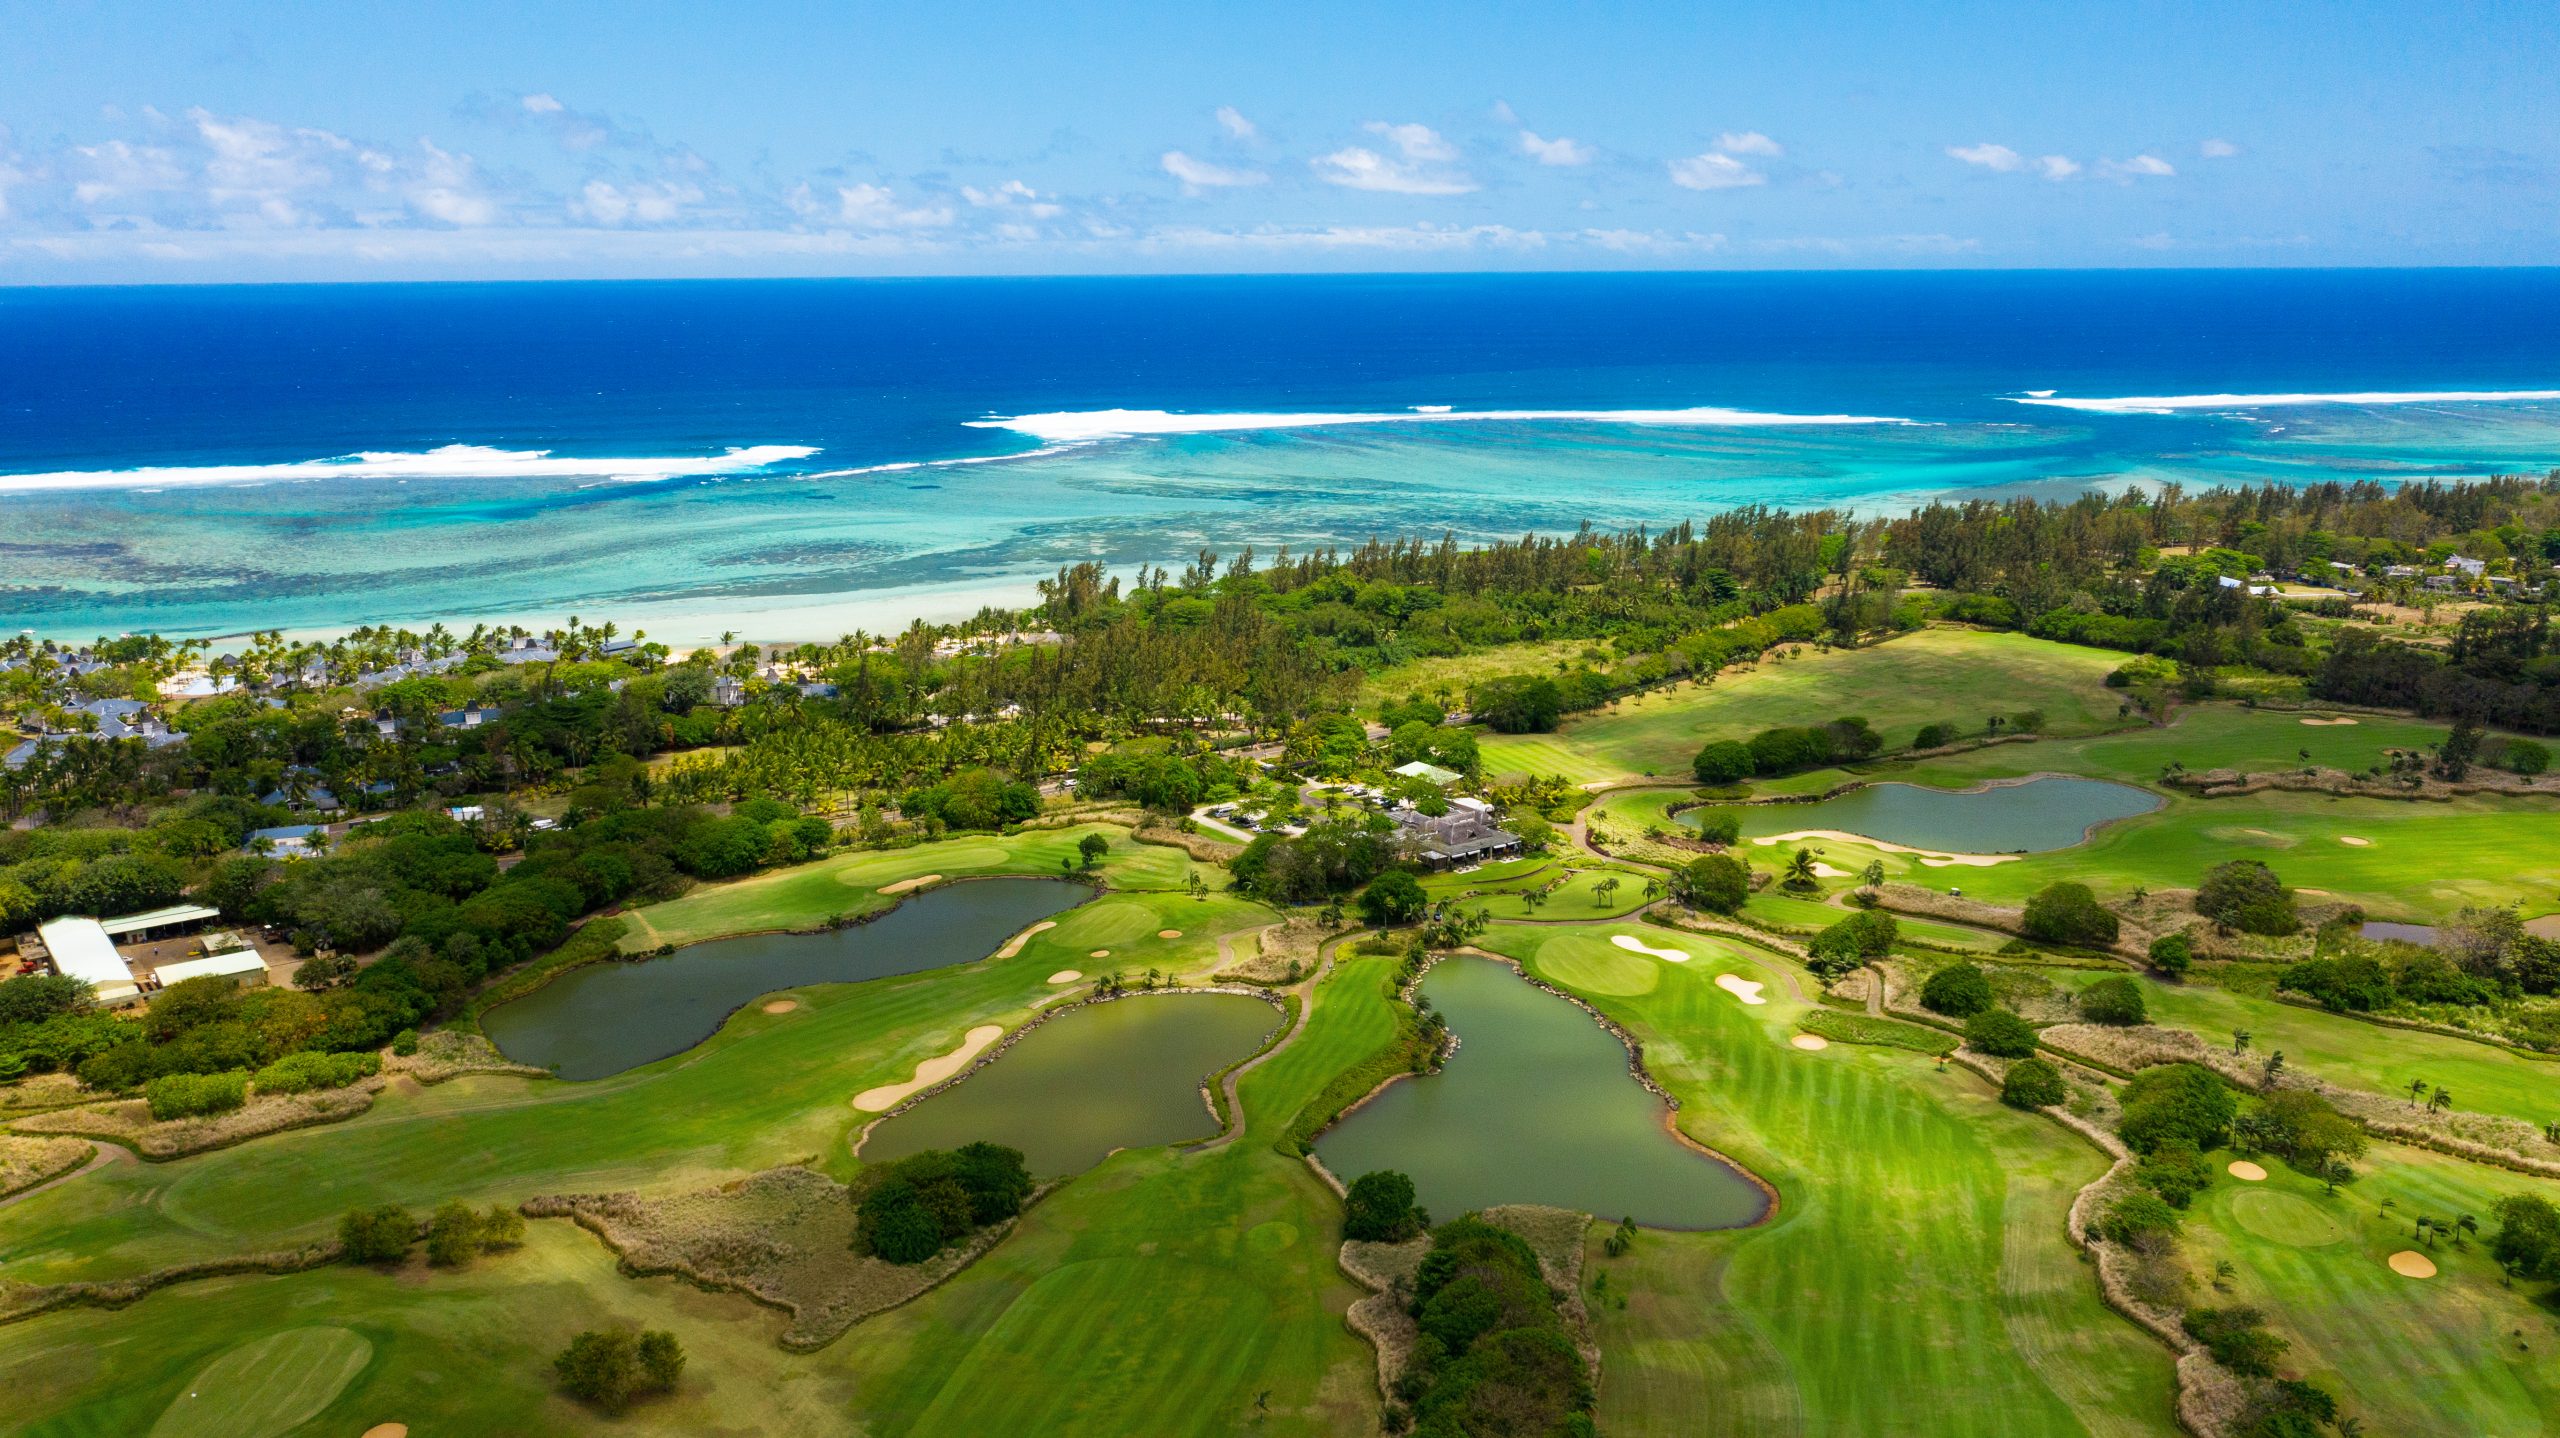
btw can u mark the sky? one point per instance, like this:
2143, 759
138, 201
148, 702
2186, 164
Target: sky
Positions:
221, 141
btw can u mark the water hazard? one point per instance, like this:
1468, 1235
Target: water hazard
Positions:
1125, 1074
2039, 814
607, 1018
1537, 1106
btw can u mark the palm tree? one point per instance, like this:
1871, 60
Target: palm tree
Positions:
2239, 1042
2417, 1091
1800, 869
1873, 877
2439, 1100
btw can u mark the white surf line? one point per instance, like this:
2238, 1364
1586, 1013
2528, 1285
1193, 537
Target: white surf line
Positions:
452, 461
1635, 945
2173, 403
1072, 426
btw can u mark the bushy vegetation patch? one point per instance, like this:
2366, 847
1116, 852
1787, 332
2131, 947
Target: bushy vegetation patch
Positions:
1959, 991
1714, 883
2182, 1103
1379, 1208
912, 1209
2001, 1034
303, 1071
195, 1095
611, 1368
1494, 1353
2115, 1001
2246, 895
1849, 1028
1864, 935
2067, 913
2032, 1083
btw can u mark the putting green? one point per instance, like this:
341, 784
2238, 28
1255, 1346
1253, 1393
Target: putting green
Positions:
2280, 1217
267, 1386
1112, 921
1594, 965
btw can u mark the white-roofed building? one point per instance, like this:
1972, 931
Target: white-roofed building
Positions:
159, 923
244, 966
80, 949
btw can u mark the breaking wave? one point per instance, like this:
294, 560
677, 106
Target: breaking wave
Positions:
2174, 403
1074, 426
452, 461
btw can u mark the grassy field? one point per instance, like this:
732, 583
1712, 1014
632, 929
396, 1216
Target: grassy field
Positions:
1454, 673
1497, 890
2355, 1054
2437, 1355
1935, 675
1915, 1278
808, 895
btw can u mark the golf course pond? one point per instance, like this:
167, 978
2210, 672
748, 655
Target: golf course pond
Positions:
605, 1018
1123, 1074
1536, 1106
2022, 818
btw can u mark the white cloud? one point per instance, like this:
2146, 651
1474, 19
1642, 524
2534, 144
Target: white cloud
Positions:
1197, 175
1013, 195
1558, 151
2058, 167
1236, 124
876, 207
1748, 142
2217, 149
448, 191
1988, 156
1417, 169
2157, 240
1714, 171
2139, 167
611, 205
1651, 242
542, 105
1409, 238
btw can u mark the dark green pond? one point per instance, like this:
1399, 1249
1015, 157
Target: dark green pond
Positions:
606, 1018
1536, 1106
1125, 1074
2026, 818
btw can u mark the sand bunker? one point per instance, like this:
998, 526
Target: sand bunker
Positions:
1066, 976
2352, 842
1936, 859
2324, 723
1014, 945
1635, 945
1810, 1043
1099, 954
1168, 933
781, 1006
2247, 1172
2410, 1263
930, 1072
387, 1430
1747, 990
918, 882
1822, 870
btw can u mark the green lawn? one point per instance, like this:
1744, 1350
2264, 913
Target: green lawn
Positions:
1915, 1278
808, 895
2437, 1355
2355, 1054
1456, 672
1936, 675
1498, 892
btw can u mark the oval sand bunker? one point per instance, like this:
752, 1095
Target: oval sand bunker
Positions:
2353, 842
387, 1430
918, 882
930, 1072
1747, 990
2409, 1263
1168, 933
2247, 1172
1066, 976
1634, 945
1810, 1043
781, 1006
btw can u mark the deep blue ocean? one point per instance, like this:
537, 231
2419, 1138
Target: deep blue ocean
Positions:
794, 459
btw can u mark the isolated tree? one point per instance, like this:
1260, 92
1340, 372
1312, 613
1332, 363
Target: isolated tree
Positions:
1800, 868
2032, 1083
1091, 848
1959, 991
2115, 1000
609, 1367
2001, 1034
1379, 1208
1394, 897
1717, 883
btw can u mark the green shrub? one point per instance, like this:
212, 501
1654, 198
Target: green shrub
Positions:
2133, 1215
2528, 756
195, 1095
2173, 954
2001, 1034
1379, 1208
1394, 897
1935, 736
2246, 895
458, 1233
2353, 984
2068, 913
1959, 991
1723, 762
609, 1368
1719, 826
2528, 1240
307, 1070
2183, 1103
1717, 883
908, 1211
2175, 1171
377, 1235
2032, 1083
2237, 1338
2116, 1001
1853, 941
